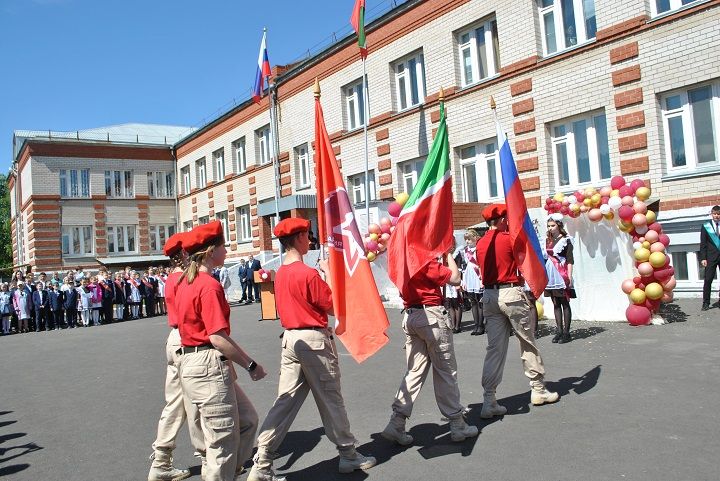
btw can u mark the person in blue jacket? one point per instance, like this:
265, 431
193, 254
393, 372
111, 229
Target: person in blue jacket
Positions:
70, 302
41, 303
55, 298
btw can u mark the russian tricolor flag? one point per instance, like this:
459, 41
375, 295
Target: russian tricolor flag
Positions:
263, 71
526, 246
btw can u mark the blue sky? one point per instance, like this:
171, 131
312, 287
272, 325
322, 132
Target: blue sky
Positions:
78, 64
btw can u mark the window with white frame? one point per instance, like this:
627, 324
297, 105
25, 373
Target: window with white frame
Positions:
159, 234
356, 184
223, 218
354, 105
185, 174
410, 173
481, 176
262, 137
75, 183
121, 238
239, 159
302, 161
244, 227
565, 23
479, 52
119, 183
219, 162
203, 220
161, 184
409, 81
201, 173
580, 150
187, 225
691, 125
77, 240
664, 6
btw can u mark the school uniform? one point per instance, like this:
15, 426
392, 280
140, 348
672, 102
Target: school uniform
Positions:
70, 303
41, 304
56, 310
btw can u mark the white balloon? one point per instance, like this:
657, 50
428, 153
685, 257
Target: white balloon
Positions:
572, 199
605, 209
642, 229
614, 203
637, 245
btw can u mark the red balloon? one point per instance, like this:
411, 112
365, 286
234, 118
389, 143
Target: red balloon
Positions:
626, 212
667, 262
637, 280
564, 210
394, 209
662, 274
604, 200
656, 227
664, 239
671, 269
638, 315
625, 191
579, 196
640, 285
617, 182
549, 200
653, 305
636, 184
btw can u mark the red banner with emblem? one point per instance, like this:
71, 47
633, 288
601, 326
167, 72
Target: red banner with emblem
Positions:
361, 320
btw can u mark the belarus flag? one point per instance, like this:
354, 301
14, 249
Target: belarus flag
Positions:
263, 71
424, 230
357, 20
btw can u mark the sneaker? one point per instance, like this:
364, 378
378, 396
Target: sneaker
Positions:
460, 430
395, 432
538, 398
167, 474
348, 465
263, 475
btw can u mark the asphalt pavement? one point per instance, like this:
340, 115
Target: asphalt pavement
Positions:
637, 404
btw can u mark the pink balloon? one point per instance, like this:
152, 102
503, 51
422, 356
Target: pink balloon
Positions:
638, 220
625, 212
670, 268
627, 286
636, 184
394, 222
617, 182
385, 238
657, 247
595, 215
384, 221
638, 315
385, 228
656, 227
645, 269
392, 229
641, 229
606, 191
579, 196
382, 248
639, 207
652, 236
394, 209
371, 246
667, 297
652, 305
670, 284
625, 191
664, 239
604, 199
627, 200
374, 229
663, 274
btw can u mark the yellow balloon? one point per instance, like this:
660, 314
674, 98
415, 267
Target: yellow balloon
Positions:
371, 256
374, 237
657, 259
589, 192
609, 216
587, 202
654, 291
651, 217
646, 245
615, 193
540, 308
623, 227
402, 198
643, 193
559, 196
596, 198
637, 296
642, 254
575, 207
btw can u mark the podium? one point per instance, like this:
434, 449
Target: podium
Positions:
268, 308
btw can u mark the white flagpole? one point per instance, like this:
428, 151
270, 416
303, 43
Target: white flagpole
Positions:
275, 148
366, 108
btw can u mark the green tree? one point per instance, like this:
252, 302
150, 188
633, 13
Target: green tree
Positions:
6, 257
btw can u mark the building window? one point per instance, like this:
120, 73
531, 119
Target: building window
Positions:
410, 173
121, 238
223, 218
239, 159
161, 184
663, 6
302, 161
580, 150
691, 123
354, 105
219, 162
481, 176
187, 225
185, 173
200, 173
263, 143
565, 23
479, 52
203, 220
77, 240
119, 183
357, 187
75, 183
159, 234
244, 225
410, 81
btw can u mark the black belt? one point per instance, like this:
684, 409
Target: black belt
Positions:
189, 349
419, 306
316, 328
503, 285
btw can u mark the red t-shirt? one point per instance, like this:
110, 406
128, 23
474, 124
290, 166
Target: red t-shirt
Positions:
201, 310
425, 287
170, 283
302, 297
495, 257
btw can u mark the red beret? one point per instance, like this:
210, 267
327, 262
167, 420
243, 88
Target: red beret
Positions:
173, 244
290, 226
494, 211
202, 236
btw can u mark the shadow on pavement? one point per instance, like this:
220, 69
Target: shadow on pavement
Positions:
579, 385
12, 452
673, 313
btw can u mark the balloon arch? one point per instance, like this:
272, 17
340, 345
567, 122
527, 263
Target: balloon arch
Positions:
621, 203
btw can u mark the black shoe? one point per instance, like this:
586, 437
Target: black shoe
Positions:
456, 331
475, 333
564, 338
556, 338
716, 304
705, 307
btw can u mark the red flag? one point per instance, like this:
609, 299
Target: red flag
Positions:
361, 320
357, 20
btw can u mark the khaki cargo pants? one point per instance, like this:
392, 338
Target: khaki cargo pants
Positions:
228, 418
429, 343
177, 406
309, 363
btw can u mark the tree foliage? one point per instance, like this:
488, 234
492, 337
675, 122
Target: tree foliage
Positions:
6, 257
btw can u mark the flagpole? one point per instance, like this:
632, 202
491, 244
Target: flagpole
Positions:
366, 108
275, 145
322, 236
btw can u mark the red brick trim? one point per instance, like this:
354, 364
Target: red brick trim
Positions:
211, 194
285, 180
382, 134
447, 91
628, 98
383, 150
624, 52
520, 65
527, 165
630, 120
435, 116
386, 194
337, 149
286, 191
282, 156
252, 190
521, 87
635, 166
379, 118
632, 142
523, 107
284, 169
618, 28
686, 203
526, 145
386, 179
194, 200
533, 202
384, 164
524, 126
626, 75
251, 180
531, 183
229, 187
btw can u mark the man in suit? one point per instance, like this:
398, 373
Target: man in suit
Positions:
70, 302
242, 274
55, 298
710, 253
41, 303
253, 266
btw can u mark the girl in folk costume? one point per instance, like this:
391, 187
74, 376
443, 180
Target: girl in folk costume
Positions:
472, 284
453, 296
135, 296
96, 299
85, 301
559, 267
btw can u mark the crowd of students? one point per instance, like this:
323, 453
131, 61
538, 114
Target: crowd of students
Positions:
37, 303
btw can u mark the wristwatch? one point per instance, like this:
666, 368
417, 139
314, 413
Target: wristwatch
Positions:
251, 367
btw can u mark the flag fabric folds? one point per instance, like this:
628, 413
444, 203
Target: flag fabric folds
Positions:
526, 245
263, 71
357, 20
424, 230
361, 320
